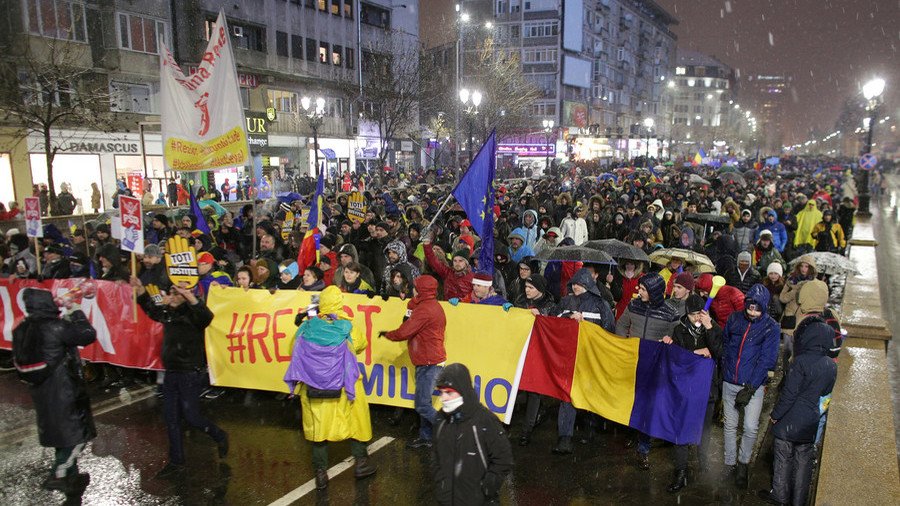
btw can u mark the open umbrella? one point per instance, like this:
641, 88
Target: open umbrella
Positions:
618, 250
701, 262
576, 254
219, 210
729, 168
708, 218
830, 263
733, 177
695, 179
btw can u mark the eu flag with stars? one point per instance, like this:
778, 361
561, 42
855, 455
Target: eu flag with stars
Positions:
475, 195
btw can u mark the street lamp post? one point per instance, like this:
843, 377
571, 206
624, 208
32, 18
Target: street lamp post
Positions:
471, 100
648, 124
315, 112
872, 91
548, 128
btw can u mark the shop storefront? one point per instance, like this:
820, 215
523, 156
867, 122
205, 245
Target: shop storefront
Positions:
336, 155
7, 193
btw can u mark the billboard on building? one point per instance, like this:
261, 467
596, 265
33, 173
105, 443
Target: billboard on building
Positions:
575, 114
576, 72
573, 19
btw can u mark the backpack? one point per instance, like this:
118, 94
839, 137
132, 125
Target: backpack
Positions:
28, 356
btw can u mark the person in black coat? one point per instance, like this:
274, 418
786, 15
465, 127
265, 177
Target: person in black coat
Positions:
795, 417
472, 455
184, 317
61, 402
699, 333
540, 302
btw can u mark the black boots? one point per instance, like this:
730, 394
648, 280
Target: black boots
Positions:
563, 446
321, 479
643, 462
741, 475
363, 468
680, 481
71, 484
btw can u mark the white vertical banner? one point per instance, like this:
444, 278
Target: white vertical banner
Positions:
202, 116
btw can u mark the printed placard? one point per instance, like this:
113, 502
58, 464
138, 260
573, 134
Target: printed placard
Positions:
33, 226
131, 224
181, 262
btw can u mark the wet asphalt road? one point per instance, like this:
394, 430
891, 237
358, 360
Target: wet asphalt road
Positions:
269, 457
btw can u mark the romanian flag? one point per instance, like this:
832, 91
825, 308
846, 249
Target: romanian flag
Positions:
658, 389
697, 160
309, 248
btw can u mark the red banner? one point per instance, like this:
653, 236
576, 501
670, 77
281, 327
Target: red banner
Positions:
120, 341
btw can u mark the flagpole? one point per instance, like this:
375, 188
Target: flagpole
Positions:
438, 213
134, 292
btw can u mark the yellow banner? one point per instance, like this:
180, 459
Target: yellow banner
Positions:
229, 148
249, 344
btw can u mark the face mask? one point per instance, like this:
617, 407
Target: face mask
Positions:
451, 405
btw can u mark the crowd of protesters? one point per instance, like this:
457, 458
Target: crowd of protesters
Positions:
754, 226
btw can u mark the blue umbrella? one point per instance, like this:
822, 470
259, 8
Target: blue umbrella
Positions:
215, 205
288, 197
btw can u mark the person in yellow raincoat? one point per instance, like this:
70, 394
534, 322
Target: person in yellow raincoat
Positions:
332, 397
808, 218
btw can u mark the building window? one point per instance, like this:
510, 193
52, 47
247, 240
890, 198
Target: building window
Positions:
680, 71
58, 19
297, 47
349, 57
128, 97
375, 16
334, 107
283, 101
546, 55
42, 92
281, 44
515, 31
348, 9
311, 46
336, 7
323, 5
245, 97
140, 34
242, 36
323, 52
542, 29
337, 52
620, 54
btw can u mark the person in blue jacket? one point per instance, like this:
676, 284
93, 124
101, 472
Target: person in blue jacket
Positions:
805, 396
779, 233
749, 351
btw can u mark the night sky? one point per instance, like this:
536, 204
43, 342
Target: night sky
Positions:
830, 47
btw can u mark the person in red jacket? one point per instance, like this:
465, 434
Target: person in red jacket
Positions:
424, 336
458, 278
728, 300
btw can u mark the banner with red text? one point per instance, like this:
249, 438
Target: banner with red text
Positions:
250, 340
201, 114
108, 306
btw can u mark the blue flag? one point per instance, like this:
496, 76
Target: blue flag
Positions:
199, 219
475, 194
313, 219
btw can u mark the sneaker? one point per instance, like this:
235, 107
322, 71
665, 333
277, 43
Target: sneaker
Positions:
214, 393
170, 470
364, 468
223, 447
563, 446
766, 495
419, 443
54, 483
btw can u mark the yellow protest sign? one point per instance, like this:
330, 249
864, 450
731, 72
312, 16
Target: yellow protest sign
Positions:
181, 262
356, 207
249, 343
288, 225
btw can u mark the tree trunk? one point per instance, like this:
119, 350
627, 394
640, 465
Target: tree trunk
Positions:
50, 154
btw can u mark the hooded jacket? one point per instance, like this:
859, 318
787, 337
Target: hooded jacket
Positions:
728, 300
652, 319
590, 304
61, 402
472, 453
400, 249
366, 273
790, 294
744, 233
750, 347
543, 244
531, 235
779, 233
424, 330
524, 250
808, 385
808, 218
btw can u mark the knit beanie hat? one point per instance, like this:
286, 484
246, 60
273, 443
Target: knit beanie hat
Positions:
685, 279
775, 267
744, 256
694, 303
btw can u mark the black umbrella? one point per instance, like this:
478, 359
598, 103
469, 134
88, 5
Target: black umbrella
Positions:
708, 218
576, 254
618, 250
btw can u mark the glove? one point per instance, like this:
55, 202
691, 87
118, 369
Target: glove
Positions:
383, 334
299, 318
506, 306
370, 294
454, 301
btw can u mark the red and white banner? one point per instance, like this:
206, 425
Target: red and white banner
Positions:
33, 227
108, 306
132, 224
202, 117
